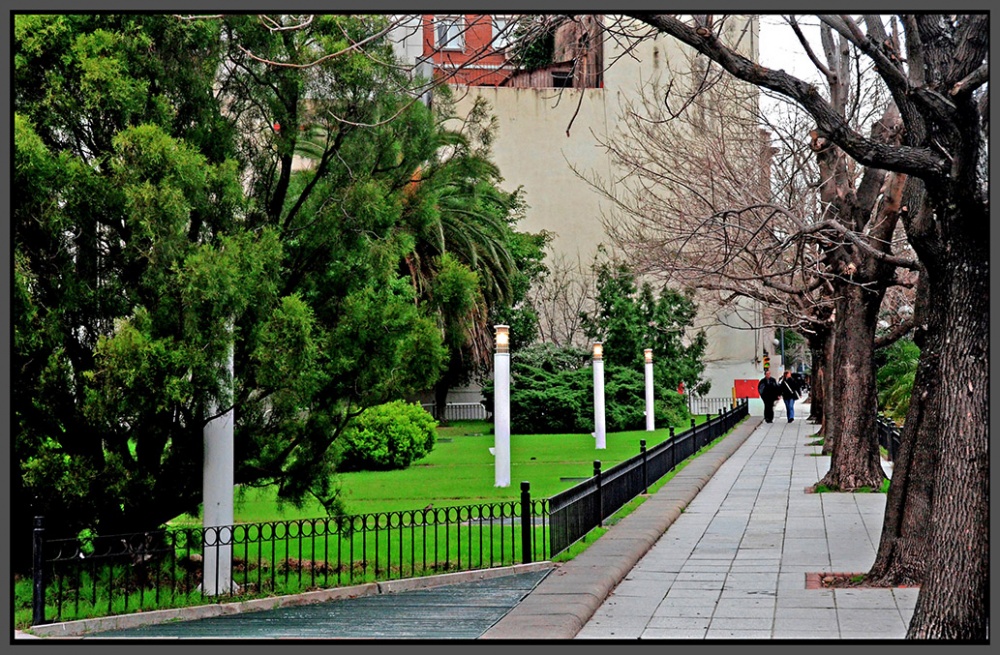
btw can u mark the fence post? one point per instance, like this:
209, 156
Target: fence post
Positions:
694, 436
673, 450
38, 572
526, 522
645, 475
600, 499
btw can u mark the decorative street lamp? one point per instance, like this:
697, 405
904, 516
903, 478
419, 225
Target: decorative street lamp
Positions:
501, 407
599, 395
648, 352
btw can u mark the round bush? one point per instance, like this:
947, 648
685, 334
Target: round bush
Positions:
389, 436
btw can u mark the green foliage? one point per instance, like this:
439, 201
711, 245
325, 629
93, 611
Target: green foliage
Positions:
894, 379
533, 48
157, 231
552, 391
459, 216
625, 401
388, 436
630, 318
794, 343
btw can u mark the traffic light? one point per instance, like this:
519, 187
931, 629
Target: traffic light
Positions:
767, 362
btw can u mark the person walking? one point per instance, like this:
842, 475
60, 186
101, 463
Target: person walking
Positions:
789, 389
769, 393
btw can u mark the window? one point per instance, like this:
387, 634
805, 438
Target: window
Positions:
501, 32
449, 33
562, 79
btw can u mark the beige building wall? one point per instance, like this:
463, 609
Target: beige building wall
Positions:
534, 151
546, 133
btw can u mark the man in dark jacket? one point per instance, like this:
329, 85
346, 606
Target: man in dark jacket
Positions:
769, 393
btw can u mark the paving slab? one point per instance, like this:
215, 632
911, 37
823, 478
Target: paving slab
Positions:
746, 543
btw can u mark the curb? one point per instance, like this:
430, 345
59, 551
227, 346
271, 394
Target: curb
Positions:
562, 603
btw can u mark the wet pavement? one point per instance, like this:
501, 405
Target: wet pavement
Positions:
463, 610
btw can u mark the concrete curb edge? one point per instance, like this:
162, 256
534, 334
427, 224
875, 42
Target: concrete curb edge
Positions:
563, 602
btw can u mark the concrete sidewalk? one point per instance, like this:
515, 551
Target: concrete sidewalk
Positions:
735, 564
560, 606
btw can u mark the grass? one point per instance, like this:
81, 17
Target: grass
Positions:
824, 489
459, 471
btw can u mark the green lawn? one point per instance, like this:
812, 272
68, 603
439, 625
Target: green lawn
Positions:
460, 471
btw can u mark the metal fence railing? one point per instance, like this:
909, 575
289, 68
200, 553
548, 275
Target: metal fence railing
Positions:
116, 574
576, 511
888, 435
106, 575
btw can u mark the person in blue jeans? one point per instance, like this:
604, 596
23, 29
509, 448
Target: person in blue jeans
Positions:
789, 389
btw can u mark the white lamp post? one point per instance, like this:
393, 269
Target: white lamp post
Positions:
648, 352
501, 407
599, 396
217, 495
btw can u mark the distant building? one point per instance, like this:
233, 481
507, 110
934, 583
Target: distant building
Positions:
549, 120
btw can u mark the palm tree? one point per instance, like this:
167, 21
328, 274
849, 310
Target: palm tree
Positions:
465, 222
895, 378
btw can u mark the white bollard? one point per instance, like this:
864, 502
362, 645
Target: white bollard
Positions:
598, 364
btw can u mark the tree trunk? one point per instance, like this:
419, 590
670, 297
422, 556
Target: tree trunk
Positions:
953, 601
904, 547
441, 389
817, 348
829, 407
855, 461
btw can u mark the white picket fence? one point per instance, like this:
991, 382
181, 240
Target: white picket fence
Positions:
460, 411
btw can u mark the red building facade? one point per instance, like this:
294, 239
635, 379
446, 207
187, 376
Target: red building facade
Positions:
468, 48
472, 49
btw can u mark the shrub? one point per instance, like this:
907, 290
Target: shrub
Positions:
389, 436
625, 402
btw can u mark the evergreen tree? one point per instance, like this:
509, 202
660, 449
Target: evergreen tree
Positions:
629, 317
160, 221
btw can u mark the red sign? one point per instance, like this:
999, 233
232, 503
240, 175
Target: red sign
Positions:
746, 388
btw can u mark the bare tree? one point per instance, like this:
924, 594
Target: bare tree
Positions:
696, 204
937, 77
565, 291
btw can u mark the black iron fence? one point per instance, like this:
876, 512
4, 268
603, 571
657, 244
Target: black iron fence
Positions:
888, 435
117, 574
576, 511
